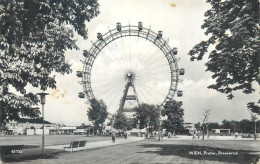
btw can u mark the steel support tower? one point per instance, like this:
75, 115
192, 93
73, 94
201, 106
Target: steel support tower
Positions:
126, 97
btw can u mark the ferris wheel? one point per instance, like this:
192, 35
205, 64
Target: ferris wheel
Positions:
130, 64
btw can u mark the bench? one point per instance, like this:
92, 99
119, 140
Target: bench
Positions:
76, 146
10, 150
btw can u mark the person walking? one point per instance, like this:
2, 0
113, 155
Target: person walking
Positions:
113, 136
169, 134
194, 135
125, 135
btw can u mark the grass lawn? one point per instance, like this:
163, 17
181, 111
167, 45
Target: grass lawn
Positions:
152, 151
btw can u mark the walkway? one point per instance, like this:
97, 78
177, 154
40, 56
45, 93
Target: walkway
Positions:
98, 144
181, 137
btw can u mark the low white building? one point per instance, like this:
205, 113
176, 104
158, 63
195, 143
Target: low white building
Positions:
67, 129
17, 128
108, 129
80, 131
190, 127
221, 131
40, 131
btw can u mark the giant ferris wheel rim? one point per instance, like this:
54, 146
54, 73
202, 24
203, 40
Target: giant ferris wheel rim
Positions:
128, 31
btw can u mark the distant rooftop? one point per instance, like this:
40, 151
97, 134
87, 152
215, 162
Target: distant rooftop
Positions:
31, 120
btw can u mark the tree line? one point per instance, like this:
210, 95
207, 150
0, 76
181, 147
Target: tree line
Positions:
146, 116
244, 126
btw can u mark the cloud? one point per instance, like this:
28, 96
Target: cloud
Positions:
199, 88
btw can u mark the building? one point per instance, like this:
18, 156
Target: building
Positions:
190, 127
108, 129
80, 131
35, 125
67, 129
222, 132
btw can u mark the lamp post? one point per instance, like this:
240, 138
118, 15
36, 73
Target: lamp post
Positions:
43, 100
160, 124
159, 132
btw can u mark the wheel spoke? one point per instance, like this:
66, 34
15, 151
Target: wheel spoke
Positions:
150, 70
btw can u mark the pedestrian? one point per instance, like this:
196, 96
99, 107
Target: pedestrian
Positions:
113, 136
125, 135
198, 135
194, 135
169, 134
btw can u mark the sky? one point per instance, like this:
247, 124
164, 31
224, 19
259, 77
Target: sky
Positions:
180, 21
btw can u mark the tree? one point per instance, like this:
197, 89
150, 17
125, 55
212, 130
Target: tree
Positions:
120, 121
233, 30
174, 112
34, 36
226, 124
247, 126
254, 108
198, 126
97, 112
205, 119
149, 115
83, 126
254, 120
234, 126
213, 125
3, 129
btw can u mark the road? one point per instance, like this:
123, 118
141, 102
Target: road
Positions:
166, 151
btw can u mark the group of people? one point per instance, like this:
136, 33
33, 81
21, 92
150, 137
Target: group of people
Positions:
195, 135
114, 136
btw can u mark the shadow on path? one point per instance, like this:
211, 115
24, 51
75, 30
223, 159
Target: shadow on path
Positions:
200, 153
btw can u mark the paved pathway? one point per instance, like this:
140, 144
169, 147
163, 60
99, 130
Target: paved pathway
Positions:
180, 137
92, 145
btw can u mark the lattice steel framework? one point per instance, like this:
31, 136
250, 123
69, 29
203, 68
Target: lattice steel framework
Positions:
130, 83
125, 31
